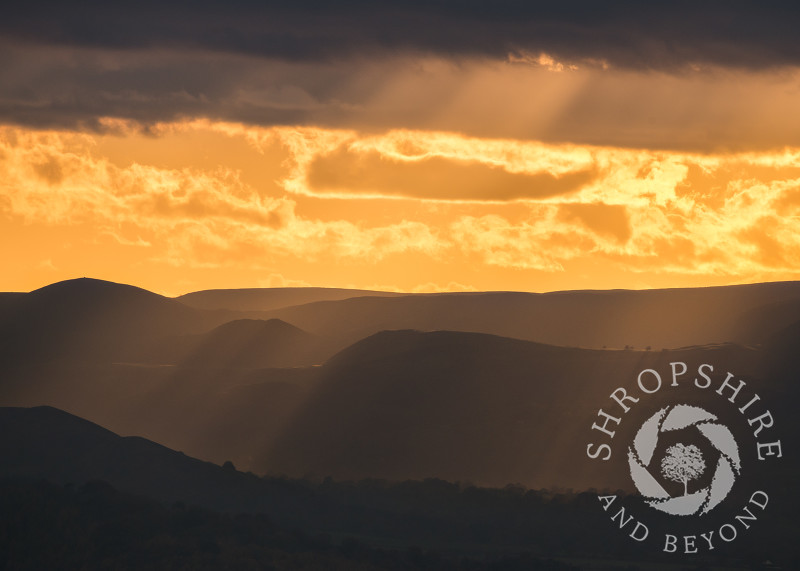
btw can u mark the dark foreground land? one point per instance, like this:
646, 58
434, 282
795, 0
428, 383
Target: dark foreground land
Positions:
94, 526
76, 496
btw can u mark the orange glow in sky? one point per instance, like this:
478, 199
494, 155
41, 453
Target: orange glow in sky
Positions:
200, 204
416, 173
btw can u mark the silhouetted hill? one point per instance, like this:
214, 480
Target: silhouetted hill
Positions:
255, 344
212, 414
88, 319
246, 344
93, 320
265, 299
45, 442
764, 323
667, 318
216, 415
476, 407
398, 404
458, 406
782, 361
8, 300
83, 521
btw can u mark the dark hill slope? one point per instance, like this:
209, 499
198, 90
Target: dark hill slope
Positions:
88, 319
404, 404
475, 407
115, 531
45, 442
8, 300
782, 361
249, 344
211, 414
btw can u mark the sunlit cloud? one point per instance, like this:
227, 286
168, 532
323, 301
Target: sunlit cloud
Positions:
373, 173
423, 146
199, 217
547, 61
431, 165
529, 245
471, 205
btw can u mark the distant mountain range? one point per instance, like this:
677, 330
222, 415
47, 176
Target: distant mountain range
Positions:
93, 320
667, 318
492, 388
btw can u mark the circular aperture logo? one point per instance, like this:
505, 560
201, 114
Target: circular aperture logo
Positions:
685, 461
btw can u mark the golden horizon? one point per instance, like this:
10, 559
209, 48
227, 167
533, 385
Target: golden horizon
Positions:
205, 205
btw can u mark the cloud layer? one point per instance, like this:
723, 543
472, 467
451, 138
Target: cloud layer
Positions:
404, 145
733, 217
621, 33
682, 76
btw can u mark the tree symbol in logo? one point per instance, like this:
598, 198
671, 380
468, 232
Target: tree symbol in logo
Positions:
683, 463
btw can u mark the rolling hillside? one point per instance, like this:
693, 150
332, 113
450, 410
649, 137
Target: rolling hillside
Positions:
456, 405
481, 408
669, 318
93, 320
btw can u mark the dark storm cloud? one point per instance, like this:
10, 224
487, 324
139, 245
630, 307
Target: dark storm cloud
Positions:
626, 34
72, 87
435, 66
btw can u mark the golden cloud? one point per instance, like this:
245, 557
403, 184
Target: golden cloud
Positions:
604, 219
469, 204
200, 217
432, 166
346, 172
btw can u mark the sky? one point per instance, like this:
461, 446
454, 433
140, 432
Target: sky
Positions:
406, 146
